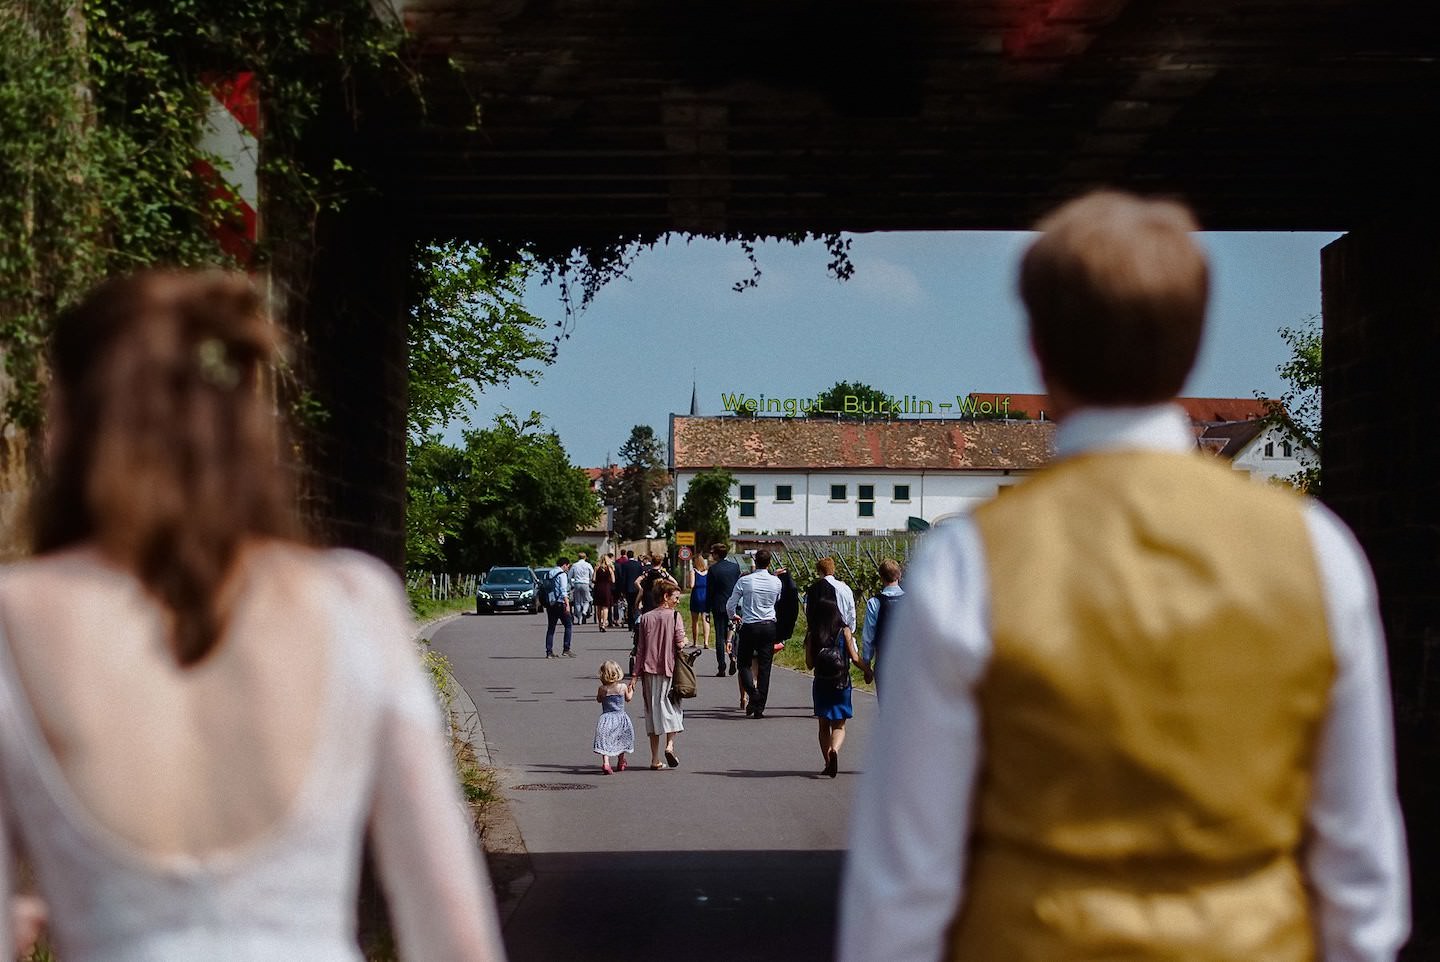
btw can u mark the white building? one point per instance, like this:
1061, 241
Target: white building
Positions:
820, 476
1262, 450
830, 477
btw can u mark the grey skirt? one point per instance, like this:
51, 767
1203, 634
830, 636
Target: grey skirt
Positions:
662, 716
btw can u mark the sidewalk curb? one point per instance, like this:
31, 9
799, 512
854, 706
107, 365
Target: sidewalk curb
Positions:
501, 838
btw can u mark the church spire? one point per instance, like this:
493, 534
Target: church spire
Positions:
694, 399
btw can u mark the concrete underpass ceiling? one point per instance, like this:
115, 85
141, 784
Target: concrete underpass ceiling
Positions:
606, 117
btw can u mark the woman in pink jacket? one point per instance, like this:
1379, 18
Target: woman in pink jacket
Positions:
661, 636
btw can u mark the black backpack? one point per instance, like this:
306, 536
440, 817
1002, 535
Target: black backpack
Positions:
881, 620
832, 663
548, 594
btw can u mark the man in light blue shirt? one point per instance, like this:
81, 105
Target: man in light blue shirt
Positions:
557, 608
884, 601
752, 605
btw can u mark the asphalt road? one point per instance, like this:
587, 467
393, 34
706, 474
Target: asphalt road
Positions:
733, 856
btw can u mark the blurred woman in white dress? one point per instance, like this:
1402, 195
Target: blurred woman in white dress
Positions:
200, 716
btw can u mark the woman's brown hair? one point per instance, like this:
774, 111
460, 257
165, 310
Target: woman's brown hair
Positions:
163, 447
822, 619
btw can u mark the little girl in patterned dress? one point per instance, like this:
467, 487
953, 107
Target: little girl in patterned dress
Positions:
614, 735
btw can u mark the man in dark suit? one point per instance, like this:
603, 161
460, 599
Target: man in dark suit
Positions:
626, 571
719, 583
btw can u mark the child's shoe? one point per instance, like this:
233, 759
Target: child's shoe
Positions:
607, 769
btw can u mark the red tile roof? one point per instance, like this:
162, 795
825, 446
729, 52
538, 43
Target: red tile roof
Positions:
928, 444
1228, 440
1204, 409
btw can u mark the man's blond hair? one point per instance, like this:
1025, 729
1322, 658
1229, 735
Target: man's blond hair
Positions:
1116, 289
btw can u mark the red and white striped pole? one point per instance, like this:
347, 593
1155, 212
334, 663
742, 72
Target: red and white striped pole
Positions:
231, 134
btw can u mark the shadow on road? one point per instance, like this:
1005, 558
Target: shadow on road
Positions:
766, 773
663, 906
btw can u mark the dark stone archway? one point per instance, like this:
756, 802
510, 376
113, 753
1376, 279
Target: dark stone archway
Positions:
606, 119
1382, 475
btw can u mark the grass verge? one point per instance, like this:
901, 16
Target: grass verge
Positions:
479, 785
428, 609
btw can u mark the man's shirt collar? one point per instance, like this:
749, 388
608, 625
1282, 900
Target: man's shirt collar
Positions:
1153, 427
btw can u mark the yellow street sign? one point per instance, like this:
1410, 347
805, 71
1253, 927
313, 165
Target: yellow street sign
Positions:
685, 537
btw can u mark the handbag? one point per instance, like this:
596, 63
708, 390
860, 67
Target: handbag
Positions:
683, 683
832, 664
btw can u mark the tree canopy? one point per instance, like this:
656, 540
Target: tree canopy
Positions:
1298, 408
635, 491
853, 402
468, 331
510, 496
705, 507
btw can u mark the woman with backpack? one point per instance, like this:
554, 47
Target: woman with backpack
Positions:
830, 651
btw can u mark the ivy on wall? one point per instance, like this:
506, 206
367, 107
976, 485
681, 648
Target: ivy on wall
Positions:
101, 103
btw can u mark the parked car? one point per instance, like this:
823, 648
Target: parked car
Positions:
507, 589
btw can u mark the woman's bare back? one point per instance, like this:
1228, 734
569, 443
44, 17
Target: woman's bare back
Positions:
175, 760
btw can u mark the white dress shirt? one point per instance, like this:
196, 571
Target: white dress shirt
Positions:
582, 574
754, 597
844, 600
903, 879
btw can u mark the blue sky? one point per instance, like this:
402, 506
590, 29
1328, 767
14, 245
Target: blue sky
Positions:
929, 314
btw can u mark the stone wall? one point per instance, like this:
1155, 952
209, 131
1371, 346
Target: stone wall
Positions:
1381, 298
348, 335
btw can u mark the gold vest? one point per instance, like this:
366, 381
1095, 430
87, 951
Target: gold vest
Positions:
1151, 710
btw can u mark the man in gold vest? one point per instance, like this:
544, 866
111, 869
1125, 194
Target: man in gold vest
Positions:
1138, 709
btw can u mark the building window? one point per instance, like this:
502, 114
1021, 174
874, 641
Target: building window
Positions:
784, 492
837, 532
1269, 449
747, 500
866, 532
783, 532
837, 492
865, 497
902, 492
748, 531
1286, 449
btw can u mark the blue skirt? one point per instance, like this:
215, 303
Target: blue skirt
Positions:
831, 703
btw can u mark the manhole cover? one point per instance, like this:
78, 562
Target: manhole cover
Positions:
553, 787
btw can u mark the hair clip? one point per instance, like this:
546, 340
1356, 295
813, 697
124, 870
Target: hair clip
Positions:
215, 365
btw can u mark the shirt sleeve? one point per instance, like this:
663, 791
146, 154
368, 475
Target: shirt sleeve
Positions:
1355, 857
733, 604
872, 614
845, 600
903, 878
435, 883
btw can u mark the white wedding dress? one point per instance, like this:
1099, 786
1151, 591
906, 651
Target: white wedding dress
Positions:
123, 782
